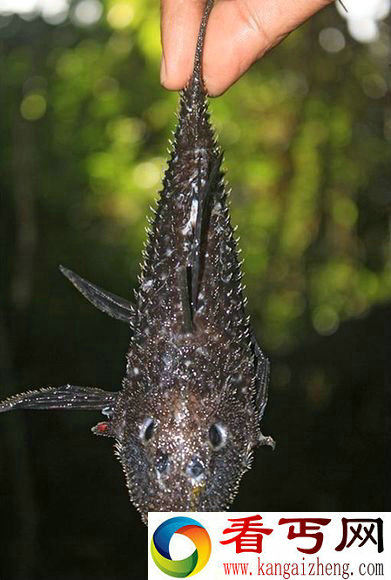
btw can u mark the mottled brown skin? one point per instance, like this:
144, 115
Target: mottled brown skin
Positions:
188, 416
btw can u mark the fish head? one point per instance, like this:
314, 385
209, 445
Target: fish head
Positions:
185, 447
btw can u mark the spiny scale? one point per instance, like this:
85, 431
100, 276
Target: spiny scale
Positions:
187, 418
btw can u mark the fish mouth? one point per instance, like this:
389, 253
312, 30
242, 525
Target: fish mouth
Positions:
195, 493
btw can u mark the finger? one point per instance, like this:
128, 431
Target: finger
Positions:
180, 22
241, 31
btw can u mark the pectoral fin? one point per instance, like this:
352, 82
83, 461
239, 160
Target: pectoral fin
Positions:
266, 440
64, 397
262, 375
109, 303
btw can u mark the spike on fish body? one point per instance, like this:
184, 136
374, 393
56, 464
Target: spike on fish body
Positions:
188, 416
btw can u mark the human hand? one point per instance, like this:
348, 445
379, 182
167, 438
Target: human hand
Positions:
239, 32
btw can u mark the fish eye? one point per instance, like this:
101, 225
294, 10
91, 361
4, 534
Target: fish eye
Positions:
146, 430
217, 436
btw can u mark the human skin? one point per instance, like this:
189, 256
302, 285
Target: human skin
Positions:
239, 33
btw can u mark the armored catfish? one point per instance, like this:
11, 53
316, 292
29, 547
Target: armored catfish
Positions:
187, 418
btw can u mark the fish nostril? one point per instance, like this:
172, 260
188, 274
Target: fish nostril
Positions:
162, 463
195, 469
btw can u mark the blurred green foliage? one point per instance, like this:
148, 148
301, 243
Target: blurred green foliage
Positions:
84, 130
307, 141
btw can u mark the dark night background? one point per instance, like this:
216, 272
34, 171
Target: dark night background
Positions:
84, 128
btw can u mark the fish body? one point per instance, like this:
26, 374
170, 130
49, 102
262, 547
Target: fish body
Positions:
187, 418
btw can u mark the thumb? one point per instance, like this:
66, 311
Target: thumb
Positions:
180, 22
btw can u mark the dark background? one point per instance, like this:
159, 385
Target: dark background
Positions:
84, 127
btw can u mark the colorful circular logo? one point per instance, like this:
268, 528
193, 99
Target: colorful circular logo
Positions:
160, 547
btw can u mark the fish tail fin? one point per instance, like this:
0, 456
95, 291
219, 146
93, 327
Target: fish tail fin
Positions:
196, 83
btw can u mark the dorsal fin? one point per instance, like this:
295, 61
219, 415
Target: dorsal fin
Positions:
202, 216
183, 284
